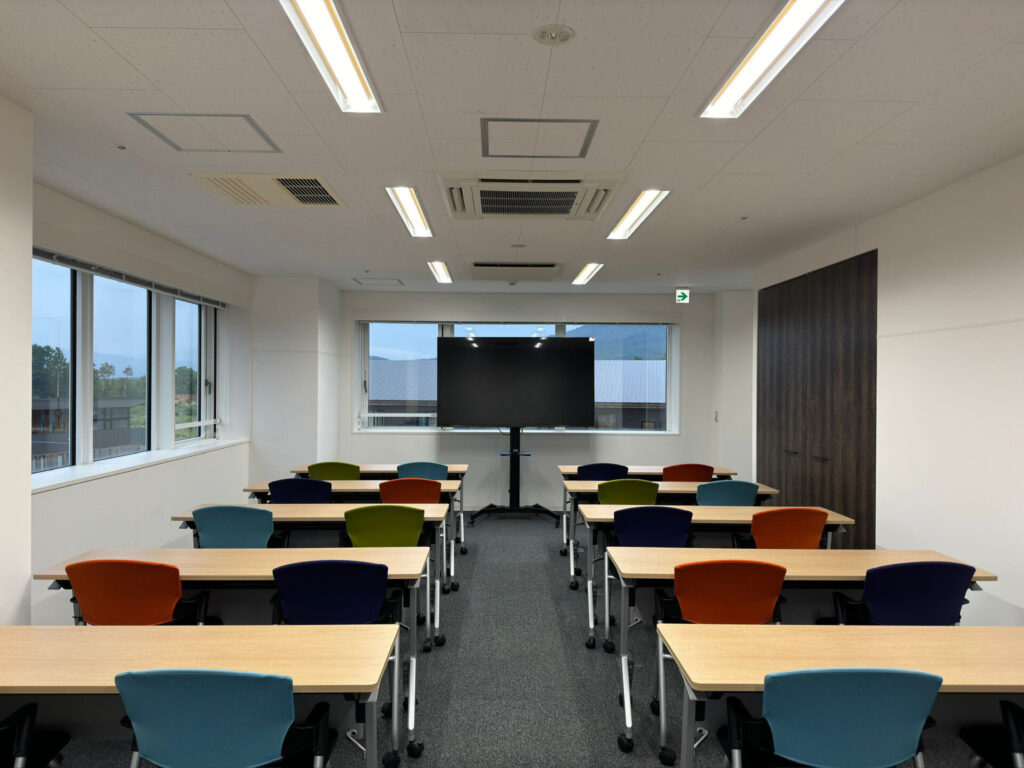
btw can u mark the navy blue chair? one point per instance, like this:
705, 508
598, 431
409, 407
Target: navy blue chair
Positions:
233, 527
330, 592
727, 493
601, 471
833, 718
300, 490
428, 470
921, 593
22, 744
653, 526
1000, 745
205, 718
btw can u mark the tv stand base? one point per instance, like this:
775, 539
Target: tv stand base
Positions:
532, 509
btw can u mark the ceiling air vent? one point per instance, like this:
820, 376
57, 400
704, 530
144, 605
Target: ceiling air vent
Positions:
528, 196
271, 189
513, 272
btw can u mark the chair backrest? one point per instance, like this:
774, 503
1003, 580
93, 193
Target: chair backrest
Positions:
627, 491
652, 526
333, 470
688, 473
205, 718
848, 718
331, 591
728, 591
429, 470
788, 528
125, 592
727, 493
917, 593
410, 490
300, 490
601, 471
384, 525
234, 527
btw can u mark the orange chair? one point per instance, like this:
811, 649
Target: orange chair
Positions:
788, 528
410, 490
688, 473
125, 592
728, 591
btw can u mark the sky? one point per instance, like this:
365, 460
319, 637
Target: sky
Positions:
418, 341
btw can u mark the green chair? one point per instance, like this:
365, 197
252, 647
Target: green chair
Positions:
627, 491
384, 525
333, 470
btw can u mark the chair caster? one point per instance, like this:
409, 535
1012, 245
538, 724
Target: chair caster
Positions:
611, 619
414, 748
578, 571
591, 643
563, 551
427, 646
625, 743
440, 640
667, 756
463, 549
656, 710
574, 585
455, 586
446, 588
420, 619
609, 646
391, 760
385, 710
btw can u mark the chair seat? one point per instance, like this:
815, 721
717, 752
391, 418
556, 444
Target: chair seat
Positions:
989, 742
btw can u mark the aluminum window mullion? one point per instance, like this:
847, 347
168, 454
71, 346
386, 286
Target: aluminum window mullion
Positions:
83, 343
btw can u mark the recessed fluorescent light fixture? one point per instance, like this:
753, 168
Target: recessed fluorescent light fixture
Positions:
408, 206
641, 208
796, 24
440, 270
322, 32
587, 273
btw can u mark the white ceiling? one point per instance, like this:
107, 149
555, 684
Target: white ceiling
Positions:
893, 99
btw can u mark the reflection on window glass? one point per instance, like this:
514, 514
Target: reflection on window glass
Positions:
402, 375
51, 366
186, 368
537, 330
629, 374
119, 369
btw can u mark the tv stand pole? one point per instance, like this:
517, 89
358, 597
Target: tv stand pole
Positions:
514, 506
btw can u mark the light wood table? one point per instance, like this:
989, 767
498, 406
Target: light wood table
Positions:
319, 659
719, 658
835, 567
385, 470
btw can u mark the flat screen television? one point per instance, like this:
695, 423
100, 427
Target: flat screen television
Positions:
515, 382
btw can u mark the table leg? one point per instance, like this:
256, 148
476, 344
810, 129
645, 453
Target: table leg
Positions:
662, 708
687, 752
591, 534
627, 702
436, 635
396, 690
572, 542
411, 619
565, 519
828, 539
607, 607
462, 513
370, 736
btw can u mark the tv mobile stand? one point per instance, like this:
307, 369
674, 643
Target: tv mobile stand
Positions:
514, 507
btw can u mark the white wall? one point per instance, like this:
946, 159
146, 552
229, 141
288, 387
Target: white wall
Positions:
15, 351
950, 368
735, 373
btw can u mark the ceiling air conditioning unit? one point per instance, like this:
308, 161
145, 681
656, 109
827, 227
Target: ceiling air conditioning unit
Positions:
555, 195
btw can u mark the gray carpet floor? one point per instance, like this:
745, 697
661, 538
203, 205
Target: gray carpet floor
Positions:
514, 685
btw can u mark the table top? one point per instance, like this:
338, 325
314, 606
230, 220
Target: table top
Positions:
404, 563
590, 486
719, 657
357, 486
319, 659
321, 513
387, 469
800, 564
604, 514
640, 469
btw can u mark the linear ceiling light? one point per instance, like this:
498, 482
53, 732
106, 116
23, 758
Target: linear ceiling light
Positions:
408, 206
323, 33
441, 274
796, 24
641, 208
587, 273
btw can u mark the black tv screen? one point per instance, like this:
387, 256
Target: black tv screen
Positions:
515, 382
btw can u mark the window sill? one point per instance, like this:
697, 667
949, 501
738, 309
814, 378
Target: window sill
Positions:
59, 478
504, 431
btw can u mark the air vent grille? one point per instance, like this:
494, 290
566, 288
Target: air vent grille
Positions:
515, 265
308, 191
235, 190
526, 203
537, 195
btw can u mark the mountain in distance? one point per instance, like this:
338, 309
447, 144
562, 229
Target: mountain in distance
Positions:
643, 342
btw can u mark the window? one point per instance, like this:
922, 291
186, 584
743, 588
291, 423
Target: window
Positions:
630, 370
188, 341
120, 369
52, 367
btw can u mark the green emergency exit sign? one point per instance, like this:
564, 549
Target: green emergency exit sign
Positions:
682, 295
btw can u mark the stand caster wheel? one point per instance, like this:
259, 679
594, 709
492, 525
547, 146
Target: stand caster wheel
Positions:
427, 646
625, 743
463, 550
414, 748
611, 619
440, 640
578, 571
656, 710
391, 760
446, 588
563, 551
385, 710
609, 646
574, 585
591, 643
667, 756
420, 619
455, 586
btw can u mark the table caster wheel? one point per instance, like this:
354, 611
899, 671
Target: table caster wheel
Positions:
414, 748
385, 710
420, 619
591, 643
455, 586
574, 585
611, 619
656, 710
609, 646
625, 743
667, 756
391, 760
463, 550
620, 699
563, 551
427, 646
446, 588
440, 640
578, 571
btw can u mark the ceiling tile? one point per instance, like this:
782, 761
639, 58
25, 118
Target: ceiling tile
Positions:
475, 17
375, 32
186, 14
994, 146
464, 154
750, 18
682, 167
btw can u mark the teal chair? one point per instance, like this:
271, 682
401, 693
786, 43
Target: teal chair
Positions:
628, 490
333, 470
233, 527
727, 493
205, 718
834, 718
428, 470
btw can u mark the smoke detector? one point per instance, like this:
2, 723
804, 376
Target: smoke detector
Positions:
553, 34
